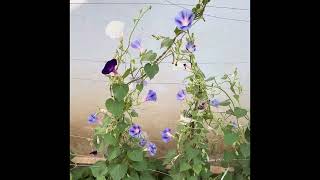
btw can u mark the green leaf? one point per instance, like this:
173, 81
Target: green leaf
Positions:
101, 178
120, 91
167, 178
197, 168
228, 156
128, 71
109, 139
151, 70
80, 173
113, 152
106, 120
134, 113
140, 166
70, 176
146, 176
114, 107
228, 176
135, 155
184, 166
139, 87
210, 79
149, 56
192, 178
225, 103
177, 31
133, 176
169, 156
166, 42
239, 112
236, 97
118, 171
230, 138
245, 150
99, 169
191, 153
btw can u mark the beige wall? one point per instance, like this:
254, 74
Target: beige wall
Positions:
222, 46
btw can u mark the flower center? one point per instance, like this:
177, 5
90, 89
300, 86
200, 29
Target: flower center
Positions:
136, 131
185, 22
169, 134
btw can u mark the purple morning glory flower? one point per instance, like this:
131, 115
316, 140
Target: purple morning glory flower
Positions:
145, 83
152, 96
181, 95
191, 47
184, 19
136, 44
142, 142
152, 149
110, 67
166, 135
215, 103
92, 118
135, 131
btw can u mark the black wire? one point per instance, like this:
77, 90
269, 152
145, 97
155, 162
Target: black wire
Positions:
180, 5
152, 3
218, 17
104, 61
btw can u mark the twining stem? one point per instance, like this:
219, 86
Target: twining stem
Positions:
157, 61
159, 172
131, 33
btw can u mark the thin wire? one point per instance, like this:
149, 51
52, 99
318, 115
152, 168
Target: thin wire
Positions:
153, 3
163, 62
86, 79
179, 5
218, 17
97, 80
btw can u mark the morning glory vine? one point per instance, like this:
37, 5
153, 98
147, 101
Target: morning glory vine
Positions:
125, 145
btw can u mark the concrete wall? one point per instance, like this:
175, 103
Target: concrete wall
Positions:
222, 45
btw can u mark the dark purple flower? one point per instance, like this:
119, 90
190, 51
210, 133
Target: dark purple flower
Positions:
181, 95
151, 96
184, 19
110, 67
92, 118
144, 82
166, 135
95, 152
191, 47
142, 142
215, 103
136, 44
152, 149
135, 131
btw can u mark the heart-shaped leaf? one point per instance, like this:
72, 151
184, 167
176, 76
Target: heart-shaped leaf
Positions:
166, 42
135, 155
99, 169
120, 91
118, 171
149, 56
151, 70
239, 112
114, 107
